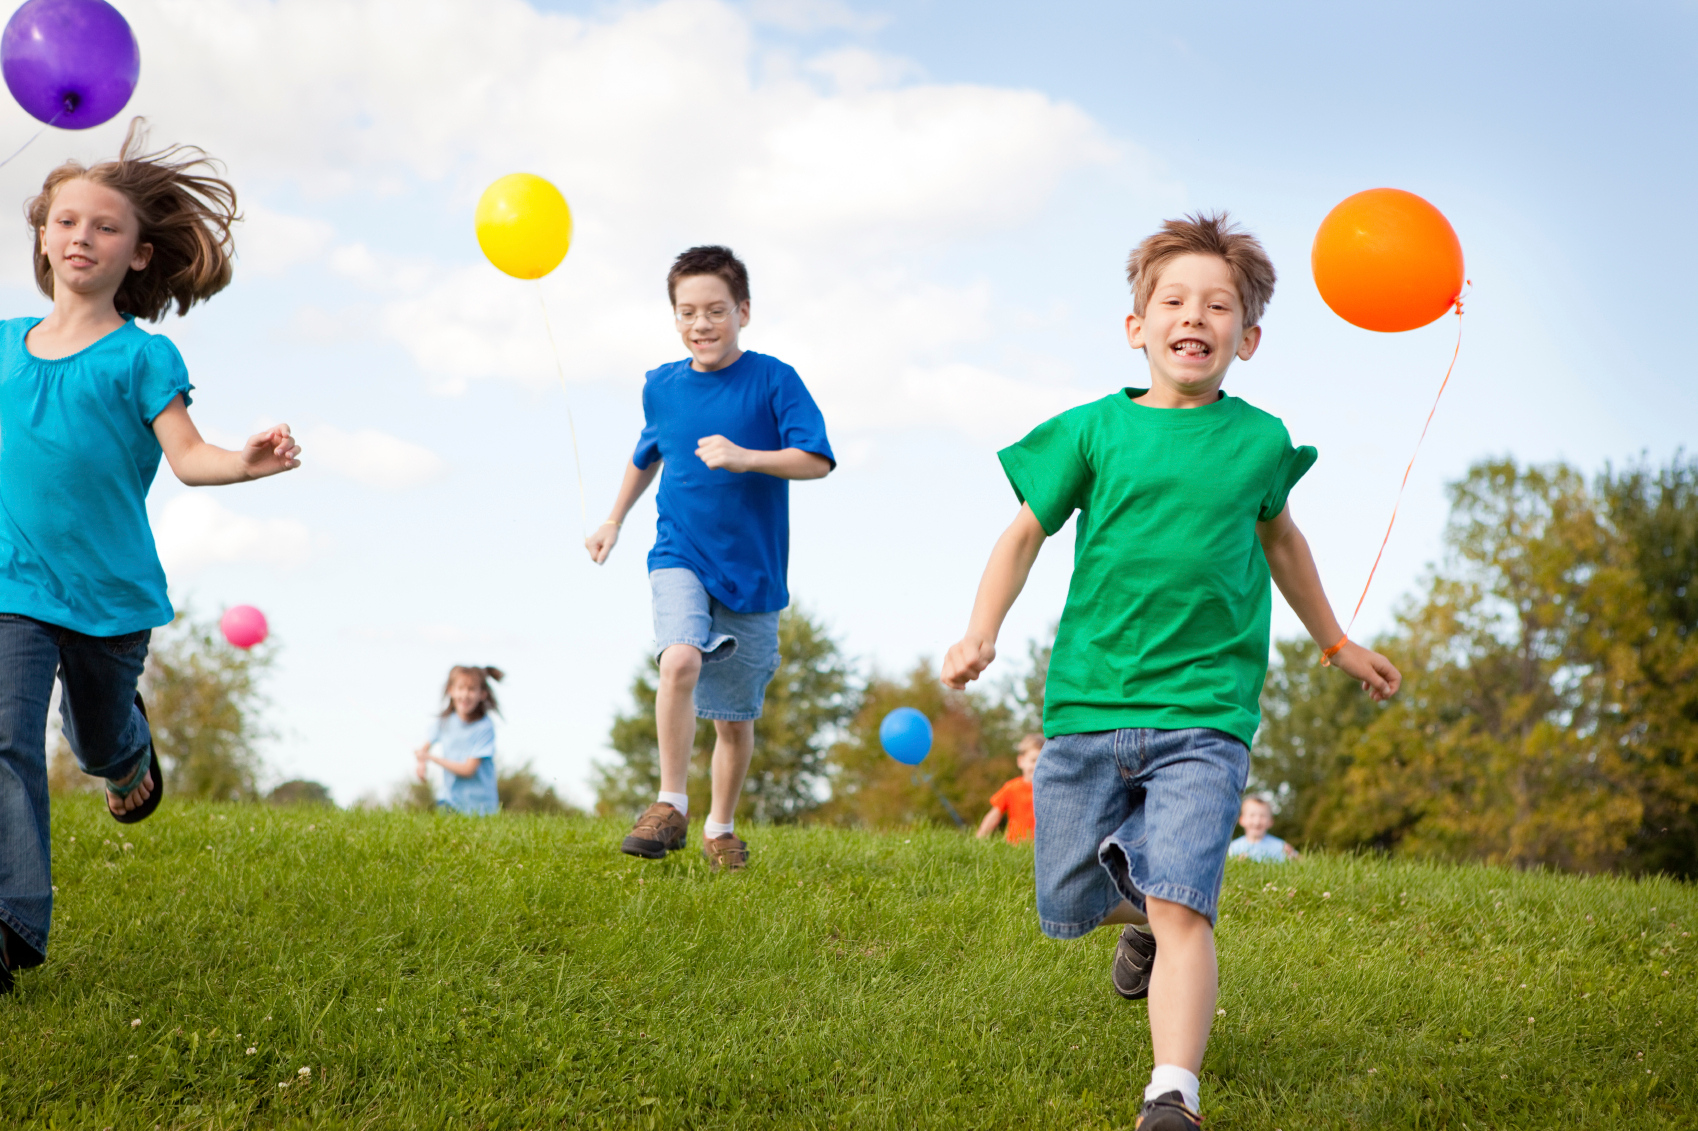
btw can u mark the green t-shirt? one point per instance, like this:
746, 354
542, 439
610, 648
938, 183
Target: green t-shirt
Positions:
1166, 623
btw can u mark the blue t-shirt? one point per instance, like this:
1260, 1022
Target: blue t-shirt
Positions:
1268, 850
77, 456
461, 740
731, 529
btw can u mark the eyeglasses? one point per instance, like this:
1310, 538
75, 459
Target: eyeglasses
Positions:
714, 314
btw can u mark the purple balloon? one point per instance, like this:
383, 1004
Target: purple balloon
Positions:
70, 63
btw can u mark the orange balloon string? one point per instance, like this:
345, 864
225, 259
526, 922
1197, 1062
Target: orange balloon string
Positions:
1399, 500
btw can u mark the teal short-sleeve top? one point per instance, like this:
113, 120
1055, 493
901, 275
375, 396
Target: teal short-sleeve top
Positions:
77, 456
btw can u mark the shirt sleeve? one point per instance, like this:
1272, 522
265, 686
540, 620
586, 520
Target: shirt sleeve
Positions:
1294, 463
481, 744
648, 444
1048, 471
800, 422
161, 377
1000, 799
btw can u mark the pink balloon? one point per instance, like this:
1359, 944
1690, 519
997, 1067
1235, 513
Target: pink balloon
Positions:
244, 626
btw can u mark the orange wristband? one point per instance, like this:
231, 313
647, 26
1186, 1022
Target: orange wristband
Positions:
1326, 656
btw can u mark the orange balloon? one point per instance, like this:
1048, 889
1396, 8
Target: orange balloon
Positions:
1387, 260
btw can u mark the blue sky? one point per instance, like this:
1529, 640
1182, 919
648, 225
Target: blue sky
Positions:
936, 200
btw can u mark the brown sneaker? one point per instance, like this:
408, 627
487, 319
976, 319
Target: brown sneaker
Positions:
725, 853
661, 829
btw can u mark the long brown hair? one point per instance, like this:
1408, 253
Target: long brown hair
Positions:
482, 676
182, 209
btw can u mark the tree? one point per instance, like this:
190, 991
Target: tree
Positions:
1548, 714
301, 792
204, 705
522, 791
809, 700
973, 746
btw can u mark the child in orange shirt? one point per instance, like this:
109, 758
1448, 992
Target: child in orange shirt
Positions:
1015, 796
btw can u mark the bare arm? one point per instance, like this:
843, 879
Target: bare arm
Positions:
787, 463
200, 464
991, 821
1293, 569
636, 481
1005, 575
464, 768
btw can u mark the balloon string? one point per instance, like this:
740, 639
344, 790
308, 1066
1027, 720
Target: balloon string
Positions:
577, 463
35, 135
1399, 500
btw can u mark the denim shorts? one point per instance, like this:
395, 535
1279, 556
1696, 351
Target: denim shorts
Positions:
1125, 814
739, 650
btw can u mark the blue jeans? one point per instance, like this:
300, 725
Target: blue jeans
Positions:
1125, 814
105, 731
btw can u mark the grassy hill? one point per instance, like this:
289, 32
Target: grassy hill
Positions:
519, 972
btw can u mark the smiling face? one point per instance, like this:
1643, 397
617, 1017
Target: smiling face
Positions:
467, 695
697, 300
91, 238
1191, 330
1256, 817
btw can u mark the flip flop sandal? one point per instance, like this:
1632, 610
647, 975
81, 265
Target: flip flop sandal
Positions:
149, 761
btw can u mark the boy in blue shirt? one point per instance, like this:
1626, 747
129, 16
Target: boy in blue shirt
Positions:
1152, 693
1257, 818
732, 427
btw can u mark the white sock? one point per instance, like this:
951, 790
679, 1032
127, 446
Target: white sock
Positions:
679, 801
1172, 1078
712, 828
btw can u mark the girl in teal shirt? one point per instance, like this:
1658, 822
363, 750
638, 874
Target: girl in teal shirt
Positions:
89, 401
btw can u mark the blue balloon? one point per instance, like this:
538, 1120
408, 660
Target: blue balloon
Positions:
906, 735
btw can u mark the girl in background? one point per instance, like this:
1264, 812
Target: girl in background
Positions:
89, 401
467, 735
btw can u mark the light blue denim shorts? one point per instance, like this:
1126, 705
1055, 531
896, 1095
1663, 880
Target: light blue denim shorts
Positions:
1125, 814
739, 650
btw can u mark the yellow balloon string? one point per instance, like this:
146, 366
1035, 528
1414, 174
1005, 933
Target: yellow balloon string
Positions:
583, 503
1405, 483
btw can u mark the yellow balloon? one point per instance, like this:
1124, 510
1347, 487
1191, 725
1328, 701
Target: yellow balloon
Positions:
524, 225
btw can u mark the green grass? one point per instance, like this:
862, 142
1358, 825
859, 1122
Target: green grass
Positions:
442, 972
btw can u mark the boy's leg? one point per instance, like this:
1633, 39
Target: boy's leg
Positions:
1184, 986
29, 657
675, 714
731, 693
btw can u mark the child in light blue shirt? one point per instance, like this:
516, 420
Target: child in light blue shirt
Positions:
1257, 817
466, 733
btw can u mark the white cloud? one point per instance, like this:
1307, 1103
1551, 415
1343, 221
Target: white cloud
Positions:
839, 176
269, 243
195, 530
373, 458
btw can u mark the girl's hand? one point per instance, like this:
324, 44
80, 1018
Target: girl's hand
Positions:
721, 454
1379, 677
966, 661
601, 540
270, 452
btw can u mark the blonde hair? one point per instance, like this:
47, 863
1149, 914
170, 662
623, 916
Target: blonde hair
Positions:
1210, 233
481, 676
181, 209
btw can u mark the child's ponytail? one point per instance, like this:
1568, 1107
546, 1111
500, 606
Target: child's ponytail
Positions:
183, 210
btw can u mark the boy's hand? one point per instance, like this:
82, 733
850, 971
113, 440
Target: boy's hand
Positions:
1379, 678
721, 454
270, 452
966, 661
601, 540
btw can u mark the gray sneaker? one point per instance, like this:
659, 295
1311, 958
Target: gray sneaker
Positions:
1134, 958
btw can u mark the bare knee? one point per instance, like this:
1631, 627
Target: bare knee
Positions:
1176, 921
680, 665
739, 735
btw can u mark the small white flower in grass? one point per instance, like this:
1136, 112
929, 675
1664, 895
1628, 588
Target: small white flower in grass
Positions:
128, 847
305, 1071
310, 828
1665, 973
1529, 1021
380, 1009
1503, 1077
1523, 985
252, 1050
136, 1023
1326, 895
1220, 1013
1371, 1071
283, 1084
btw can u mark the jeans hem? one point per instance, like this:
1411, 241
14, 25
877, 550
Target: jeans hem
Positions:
728, 716
38, 950
710, 655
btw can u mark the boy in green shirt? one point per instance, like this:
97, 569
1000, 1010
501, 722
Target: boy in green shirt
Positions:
1154, 684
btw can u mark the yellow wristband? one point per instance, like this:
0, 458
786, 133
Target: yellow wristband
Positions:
1326, 656
610, 522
